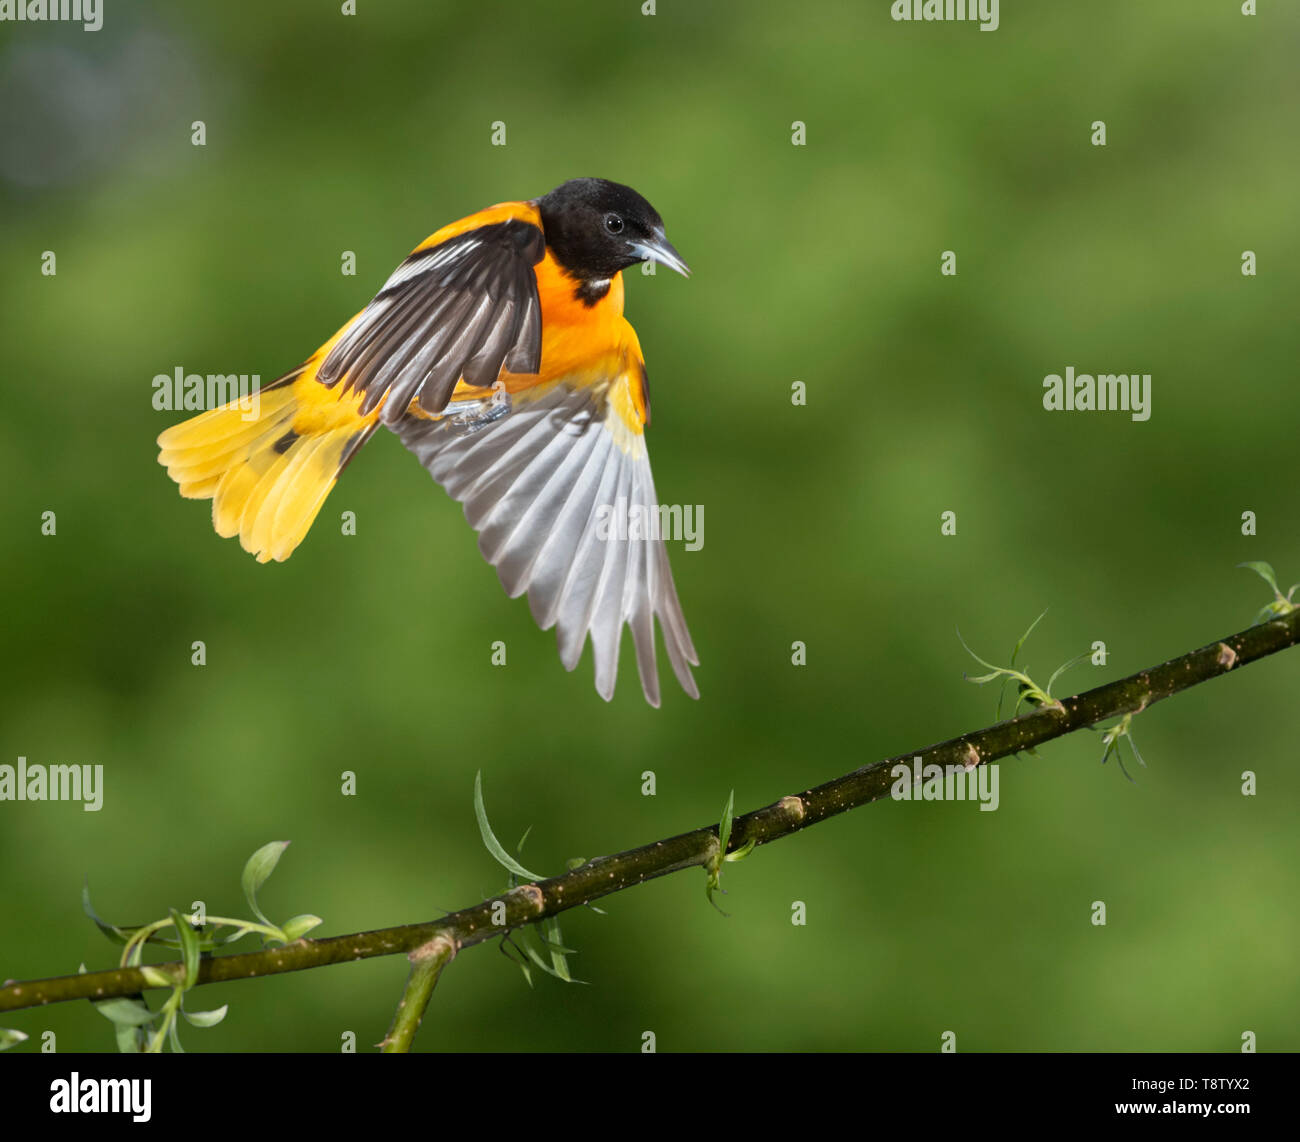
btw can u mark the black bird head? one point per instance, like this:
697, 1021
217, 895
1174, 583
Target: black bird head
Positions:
596, 228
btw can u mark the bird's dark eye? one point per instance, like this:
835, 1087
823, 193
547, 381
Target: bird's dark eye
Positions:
613, 223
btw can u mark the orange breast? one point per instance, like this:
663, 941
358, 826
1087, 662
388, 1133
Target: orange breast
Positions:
586, 345
577, 337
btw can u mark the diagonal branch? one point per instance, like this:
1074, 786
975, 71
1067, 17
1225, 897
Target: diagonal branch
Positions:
605, 875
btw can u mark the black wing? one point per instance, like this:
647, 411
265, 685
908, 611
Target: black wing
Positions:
463, 308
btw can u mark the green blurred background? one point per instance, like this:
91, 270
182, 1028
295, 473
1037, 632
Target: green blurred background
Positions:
818, 264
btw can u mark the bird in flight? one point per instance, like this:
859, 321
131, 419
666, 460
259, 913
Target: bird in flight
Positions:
498, 353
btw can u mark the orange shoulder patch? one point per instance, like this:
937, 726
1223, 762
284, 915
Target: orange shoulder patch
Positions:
502, 212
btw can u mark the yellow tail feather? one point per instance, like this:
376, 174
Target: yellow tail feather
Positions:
268, 476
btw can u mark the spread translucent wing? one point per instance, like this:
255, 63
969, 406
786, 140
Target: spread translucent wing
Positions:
463, 307
536, 485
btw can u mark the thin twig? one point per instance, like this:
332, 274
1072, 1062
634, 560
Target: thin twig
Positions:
427, 962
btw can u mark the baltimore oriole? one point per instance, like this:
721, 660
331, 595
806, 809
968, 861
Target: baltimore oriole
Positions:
498, 353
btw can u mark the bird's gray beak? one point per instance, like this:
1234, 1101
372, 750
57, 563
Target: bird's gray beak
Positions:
657, 248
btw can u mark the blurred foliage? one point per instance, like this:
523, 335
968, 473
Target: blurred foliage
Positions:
819, 264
